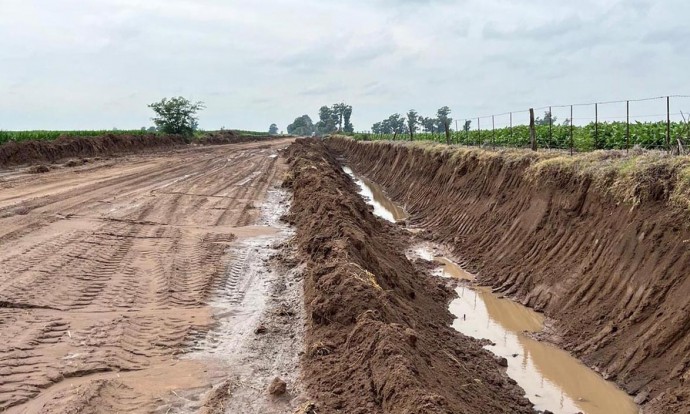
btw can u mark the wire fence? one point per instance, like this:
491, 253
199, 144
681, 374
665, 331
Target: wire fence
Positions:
661, 123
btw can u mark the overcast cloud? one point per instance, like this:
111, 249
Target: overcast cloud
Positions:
76, 64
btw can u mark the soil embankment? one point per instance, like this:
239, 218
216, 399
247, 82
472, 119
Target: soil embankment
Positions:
26, 152
606, 257
378, 336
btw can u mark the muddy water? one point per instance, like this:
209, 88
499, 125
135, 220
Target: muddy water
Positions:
376, 197
552, 379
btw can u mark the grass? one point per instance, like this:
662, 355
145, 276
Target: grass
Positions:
634, 178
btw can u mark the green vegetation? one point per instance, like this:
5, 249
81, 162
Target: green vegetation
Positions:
335, 118
176, 115
6, 136
608, 135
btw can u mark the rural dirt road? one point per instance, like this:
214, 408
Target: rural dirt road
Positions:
107, 270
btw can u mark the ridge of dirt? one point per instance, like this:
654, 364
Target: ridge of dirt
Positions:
614, 278
25, 152
378, 336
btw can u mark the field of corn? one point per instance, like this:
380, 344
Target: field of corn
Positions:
605, 135
6, 136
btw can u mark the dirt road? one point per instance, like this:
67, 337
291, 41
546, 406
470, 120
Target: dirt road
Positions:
106, 270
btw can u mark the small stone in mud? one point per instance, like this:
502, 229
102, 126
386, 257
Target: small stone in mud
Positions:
261, 329
503, 362
515, 355
278, 387
411, 336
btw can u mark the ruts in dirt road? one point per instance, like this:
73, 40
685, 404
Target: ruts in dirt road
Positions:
107, 270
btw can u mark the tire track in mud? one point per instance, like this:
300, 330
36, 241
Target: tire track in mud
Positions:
119, 287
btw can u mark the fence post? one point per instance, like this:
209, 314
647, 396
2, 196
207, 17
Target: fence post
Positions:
457, 132
493, 132
512, 140
479, 129
627, 126
468, 133
532, 131
668, 123
571, 130
596, 126
550, 128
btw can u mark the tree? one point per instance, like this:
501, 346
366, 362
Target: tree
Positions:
467, 126
548, 119
429, 124
176, 115
377, 128
301, 126
444, 121
273, 129
412, 121
328, 121
347, 114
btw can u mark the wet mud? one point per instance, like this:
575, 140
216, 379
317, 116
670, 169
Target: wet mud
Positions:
610, 276
378, 331
553, 379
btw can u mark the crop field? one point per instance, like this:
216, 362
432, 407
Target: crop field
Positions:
40, 135
608, 135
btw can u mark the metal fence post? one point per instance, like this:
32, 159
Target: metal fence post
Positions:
668, 123
479, 129
627, 126
532, 130
512, 140
596, 126
493, 132
571, 130
550, 128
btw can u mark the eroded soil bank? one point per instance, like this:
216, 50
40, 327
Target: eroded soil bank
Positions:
612, 276
25, 152
378, 335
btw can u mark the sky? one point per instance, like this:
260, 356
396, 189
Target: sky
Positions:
76, 64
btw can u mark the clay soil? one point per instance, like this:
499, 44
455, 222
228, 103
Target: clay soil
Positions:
611, 276
107, 268
378, 336
25, 152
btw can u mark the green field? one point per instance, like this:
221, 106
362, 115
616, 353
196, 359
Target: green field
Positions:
6, 136
609, 135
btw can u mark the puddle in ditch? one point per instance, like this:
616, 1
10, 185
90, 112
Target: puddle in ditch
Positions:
376, 197
552, 379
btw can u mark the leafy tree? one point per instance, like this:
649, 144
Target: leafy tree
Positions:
412, 121
444, 121
176, 115
152, 129
273, 129
548, 118
302, 125
377, 128
467, 126
429, 124
347, 115
328, 120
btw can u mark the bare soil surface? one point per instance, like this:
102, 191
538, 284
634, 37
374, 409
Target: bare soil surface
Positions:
108, 270
612, 276
378, 336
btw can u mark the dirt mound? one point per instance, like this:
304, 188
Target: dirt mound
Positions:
612, 274
15, 153
229, 137
378, 335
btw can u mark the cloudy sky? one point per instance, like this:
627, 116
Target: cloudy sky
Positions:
76, 64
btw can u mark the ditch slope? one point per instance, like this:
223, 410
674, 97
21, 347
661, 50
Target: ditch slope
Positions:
378, 335
603, 250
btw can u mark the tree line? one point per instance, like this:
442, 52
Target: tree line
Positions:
412, 122
334, 118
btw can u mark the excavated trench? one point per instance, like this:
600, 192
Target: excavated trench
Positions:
553, 379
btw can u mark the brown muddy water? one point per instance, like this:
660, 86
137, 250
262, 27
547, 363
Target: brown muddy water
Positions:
552, 379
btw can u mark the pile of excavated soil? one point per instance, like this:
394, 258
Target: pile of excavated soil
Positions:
378, 336
613, 275
26, 152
